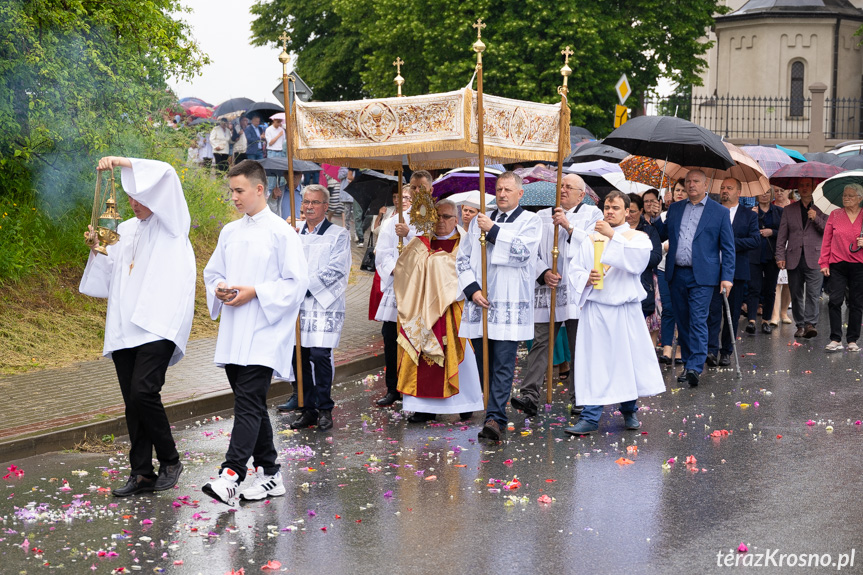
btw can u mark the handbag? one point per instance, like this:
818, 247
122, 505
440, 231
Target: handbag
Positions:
368, 263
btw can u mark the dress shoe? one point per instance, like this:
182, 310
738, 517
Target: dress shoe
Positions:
136, 484
682, 377
766, 328
325, 420
306, 419
420, 417
750, 327
491, 430
692, 377
630, 421
724, 360
289, 405
576, 409
799, 333
465, 416
168, 476
582, 427
389, 399
665, 360
810, 331
711, 360
522, 404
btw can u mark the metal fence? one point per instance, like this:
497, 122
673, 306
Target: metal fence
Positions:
740, 116
843, 118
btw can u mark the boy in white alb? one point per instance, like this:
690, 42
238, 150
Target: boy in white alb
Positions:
256, 278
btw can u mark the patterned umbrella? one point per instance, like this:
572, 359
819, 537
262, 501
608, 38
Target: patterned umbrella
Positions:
770, 159
789, 176
753, 180
462, 180
539, 193
645, 170
828, 195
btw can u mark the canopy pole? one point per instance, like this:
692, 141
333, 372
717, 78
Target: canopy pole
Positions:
565, 71
284, 58
399, 82
479, 48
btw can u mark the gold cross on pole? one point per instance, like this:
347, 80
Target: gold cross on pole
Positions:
398, 64
566, 54
479, 26
285, 39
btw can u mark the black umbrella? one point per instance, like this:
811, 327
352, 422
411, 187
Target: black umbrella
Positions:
672, 139
824, 158
278, 166
372, 190
233, 105
577, 134
596, 151
199, 121
850, 162
263, 109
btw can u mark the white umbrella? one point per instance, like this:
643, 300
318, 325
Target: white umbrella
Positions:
471, 199
619, 181
594, 168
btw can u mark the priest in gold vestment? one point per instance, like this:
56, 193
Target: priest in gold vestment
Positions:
437, 371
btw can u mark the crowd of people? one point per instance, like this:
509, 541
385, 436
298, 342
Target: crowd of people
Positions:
629, 279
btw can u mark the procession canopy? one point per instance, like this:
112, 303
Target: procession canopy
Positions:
434, 131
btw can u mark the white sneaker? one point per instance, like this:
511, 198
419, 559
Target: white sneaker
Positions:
224, 488
264, 486
834, 346
853, 346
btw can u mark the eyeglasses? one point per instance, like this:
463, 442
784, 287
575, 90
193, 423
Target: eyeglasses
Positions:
445, 217
314, 203
569, 188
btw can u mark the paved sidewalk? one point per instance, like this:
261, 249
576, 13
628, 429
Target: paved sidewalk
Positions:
87, 393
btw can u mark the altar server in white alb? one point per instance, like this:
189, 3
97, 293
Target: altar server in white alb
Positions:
149, 280
573, 214
386, 256
513, 237
256, 279
327, 248
614, 357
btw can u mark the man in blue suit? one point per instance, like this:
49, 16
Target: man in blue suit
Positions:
700, 257
744, 224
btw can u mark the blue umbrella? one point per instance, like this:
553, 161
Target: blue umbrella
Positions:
793, 154
539, 194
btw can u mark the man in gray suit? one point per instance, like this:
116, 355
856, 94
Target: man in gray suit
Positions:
798, 247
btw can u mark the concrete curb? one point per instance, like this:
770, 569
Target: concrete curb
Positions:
203, 406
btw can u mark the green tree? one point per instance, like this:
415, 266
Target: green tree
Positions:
75, 75
346, 47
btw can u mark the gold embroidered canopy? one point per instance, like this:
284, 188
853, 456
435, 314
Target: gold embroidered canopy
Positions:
433, 131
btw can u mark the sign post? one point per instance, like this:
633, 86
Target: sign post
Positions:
621, 112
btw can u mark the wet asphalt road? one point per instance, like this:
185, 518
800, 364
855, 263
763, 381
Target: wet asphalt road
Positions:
376, 495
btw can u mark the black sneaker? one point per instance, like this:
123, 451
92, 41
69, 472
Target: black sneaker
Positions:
136, 484
169, 475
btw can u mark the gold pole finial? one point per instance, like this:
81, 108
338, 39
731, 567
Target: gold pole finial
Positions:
398, 79
284, 57
565, 71
479, 45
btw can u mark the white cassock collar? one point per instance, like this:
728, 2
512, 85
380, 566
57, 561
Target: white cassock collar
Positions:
622, 227
448, 236
256, 219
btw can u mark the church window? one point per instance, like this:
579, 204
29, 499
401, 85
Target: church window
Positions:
797, 99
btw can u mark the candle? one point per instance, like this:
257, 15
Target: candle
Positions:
598, 247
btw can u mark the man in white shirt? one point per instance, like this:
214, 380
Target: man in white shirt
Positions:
572, 213
256, 279
614, 358
327, 248
220, 139
386, 256
148, 277
513, 237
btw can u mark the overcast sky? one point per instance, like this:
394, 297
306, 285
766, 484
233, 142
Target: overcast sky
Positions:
222, 29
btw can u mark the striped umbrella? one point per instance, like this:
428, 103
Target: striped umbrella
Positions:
828, 195
770, 159
788, 176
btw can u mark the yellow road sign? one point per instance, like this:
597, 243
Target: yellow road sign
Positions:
623, 89
621, 115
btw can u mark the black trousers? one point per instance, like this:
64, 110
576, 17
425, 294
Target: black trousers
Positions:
252, 435
845, 275
221, 162
390, 332
141, 372
762, 289
317, 383
717, 317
